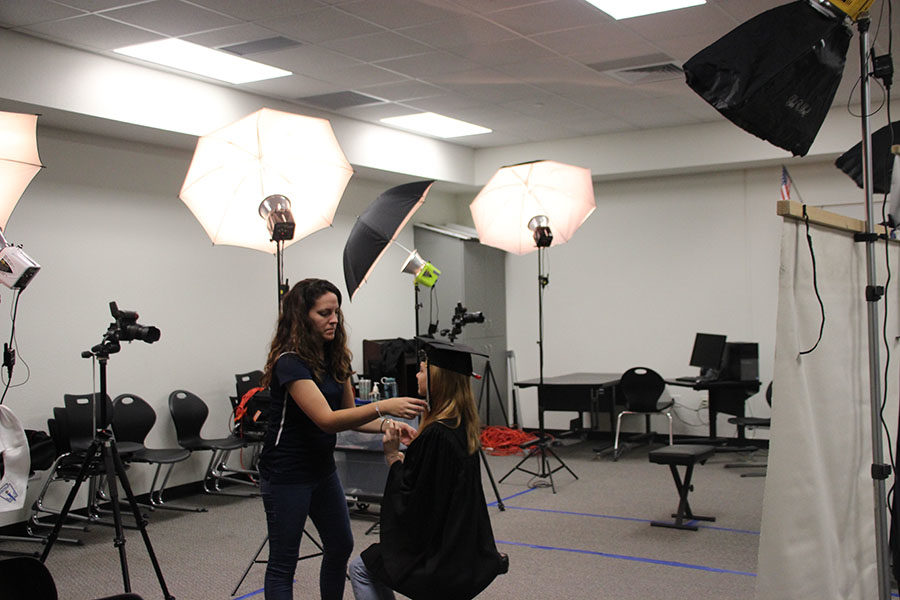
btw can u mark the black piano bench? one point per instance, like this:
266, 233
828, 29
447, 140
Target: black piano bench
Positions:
686, 455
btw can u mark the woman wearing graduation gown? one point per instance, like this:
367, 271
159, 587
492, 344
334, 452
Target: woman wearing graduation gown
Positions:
436, 540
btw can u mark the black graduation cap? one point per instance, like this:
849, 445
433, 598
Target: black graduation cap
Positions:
450, 356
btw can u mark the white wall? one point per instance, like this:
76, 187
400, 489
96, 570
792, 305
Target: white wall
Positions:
104, 221
660, 259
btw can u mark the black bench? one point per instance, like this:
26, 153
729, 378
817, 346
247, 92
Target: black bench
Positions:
686, 455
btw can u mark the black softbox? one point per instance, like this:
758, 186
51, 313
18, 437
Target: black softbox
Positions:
850, 162
775, 76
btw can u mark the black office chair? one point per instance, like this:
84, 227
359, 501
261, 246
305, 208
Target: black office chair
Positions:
189, 413
743, 423
28, 577
133, 418
643, 392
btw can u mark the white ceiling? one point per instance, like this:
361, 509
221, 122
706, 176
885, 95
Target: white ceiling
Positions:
519, 67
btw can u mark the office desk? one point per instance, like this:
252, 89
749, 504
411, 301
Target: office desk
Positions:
726, 397
591, 393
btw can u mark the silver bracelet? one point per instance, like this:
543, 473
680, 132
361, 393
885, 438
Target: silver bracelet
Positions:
376, 409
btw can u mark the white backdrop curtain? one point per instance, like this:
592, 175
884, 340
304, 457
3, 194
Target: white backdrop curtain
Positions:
818, 527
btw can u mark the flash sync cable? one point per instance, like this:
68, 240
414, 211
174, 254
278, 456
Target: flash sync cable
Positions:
9, 352
812, 256
887, 265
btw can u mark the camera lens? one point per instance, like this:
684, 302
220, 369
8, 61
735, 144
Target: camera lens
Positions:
139, 332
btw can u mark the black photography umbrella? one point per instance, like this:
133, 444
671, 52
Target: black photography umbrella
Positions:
776, 75
377, 227
850, 162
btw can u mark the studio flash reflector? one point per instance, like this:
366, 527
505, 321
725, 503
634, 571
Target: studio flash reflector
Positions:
17, 269
776, 75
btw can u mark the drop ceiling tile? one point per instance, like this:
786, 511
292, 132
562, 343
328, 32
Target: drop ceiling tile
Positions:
491, 140
458, 31
611, 53
598, 125
255, 10
579, 40
597, 94
679, 23
361, 76
503, 52
444, 104
374, 113
682, 48
394, 14
546, 106
309, 60
19, 13
227, 36
741, 10
170, 17
543, 17
93, 32
490, 6
409, 89
377, 46
548, 70
321, 25
424, 66
96, 5
484, 84
292, 87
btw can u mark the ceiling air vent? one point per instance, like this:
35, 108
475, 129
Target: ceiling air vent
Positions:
641, 69
259, 46
339, 100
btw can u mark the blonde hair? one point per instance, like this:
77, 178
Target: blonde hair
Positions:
452, 400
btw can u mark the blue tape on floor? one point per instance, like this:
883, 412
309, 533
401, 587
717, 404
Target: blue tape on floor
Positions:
597, 516
667, 563
251, 594
513, 496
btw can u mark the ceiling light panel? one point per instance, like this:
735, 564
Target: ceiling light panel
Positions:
201, 60
619, 9
434, 124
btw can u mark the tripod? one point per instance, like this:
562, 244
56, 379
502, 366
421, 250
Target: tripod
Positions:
103, 451
488, 381
541, 447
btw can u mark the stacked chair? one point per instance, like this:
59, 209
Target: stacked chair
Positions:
72, 429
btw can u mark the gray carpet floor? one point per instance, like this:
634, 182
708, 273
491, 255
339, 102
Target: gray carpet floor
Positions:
592, 539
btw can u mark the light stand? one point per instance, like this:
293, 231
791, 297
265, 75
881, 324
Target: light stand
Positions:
880, 471
103, 449
541, 447
276, 210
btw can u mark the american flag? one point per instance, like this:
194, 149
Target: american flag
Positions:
785, 184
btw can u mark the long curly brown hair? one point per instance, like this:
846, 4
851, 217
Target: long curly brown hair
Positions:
452, 400
294, 333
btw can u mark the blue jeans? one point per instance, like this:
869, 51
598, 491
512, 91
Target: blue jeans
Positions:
287, 506
366, 587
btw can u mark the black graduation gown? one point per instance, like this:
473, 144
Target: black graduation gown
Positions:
436, 536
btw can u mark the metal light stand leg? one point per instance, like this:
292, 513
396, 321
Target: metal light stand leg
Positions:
103, 447
541, 448
255, 560
880, 471
487, 381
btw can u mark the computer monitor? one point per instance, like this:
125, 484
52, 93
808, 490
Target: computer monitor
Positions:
708, 351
